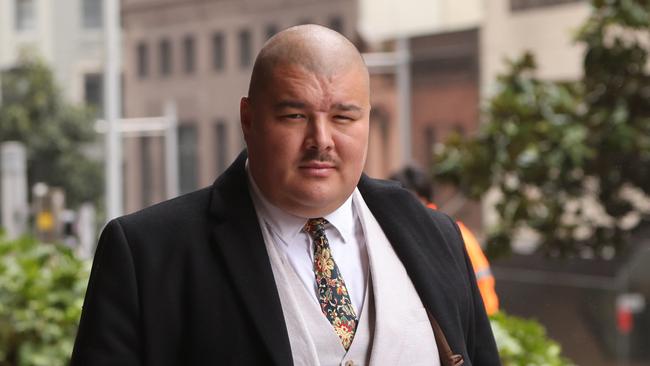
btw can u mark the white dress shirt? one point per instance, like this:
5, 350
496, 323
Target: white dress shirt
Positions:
344, 234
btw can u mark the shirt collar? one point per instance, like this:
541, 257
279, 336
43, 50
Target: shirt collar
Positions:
288, 226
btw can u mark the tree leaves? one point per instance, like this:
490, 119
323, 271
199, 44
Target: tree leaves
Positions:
41, 293
563, 154
54, 132
524, 342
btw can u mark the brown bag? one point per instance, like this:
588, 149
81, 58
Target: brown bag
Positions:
447, 357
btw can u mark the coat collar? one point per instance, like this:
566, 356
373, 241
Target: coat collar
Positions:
238, 239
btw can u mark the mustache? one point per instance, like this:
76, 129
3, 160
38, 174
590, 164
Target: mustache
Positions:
315, 155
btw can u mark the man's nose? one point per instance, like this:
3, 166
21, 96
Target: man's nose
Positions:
319, 133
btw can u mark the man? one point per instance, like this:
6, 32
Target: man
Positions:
292, 256
416, 181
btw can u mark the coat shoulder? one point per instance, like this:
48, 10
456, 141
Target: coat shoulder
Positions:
168, 226
187, 207
391, 194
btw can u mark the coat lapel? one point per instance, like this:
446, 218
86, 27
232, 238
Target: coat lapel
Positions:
427, 259
238, 240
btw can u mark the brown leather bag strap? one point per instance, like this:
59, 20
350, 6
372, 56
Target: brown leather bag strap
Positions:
447, 357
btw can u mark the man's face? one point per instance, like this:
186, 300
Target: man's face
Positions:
307, 137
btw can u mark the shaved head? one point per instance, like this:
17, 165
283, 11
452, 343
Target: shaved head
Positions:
306, 120
315, 48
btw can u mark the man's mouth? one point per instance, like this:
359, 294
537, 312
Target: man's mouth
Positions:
317, 168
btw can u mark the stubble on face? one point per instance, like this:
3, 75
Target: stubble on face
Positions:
305, 178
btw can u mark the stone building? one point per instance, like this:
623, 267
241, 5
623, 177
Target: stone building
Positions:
199, 54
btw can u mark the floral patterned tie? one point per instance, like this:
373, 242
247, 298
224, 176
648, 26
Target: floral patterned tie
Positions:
333, 295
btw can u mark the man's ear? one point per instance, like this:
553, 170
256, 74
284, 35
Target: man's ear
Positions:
245, 115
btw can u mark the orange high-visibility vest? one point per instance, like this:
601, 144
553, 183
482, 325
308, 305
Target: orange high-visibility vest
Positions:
481, 266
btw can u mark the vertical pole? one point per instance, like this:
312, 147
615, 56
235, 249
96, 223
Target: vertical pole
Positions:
112, 107
0, 86
13, 192
171, 150
404, 98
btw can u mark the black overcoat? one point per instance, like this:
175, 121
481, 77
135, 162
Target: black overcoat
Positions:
188, 281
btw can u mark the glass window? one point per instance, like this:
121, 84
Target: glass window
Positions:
143, 60
187, 157
429, 144
218, 51
336, 23
271, 30
165, 49
93, 91
188, 54
146, 171
245, 48
92, 13
25, 15
517, 5
221, 131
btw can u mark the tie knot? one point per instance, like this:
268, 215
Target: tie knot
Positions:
315, 227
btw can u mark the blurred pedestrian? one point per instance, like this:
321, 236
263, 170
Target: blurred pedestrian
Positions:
417, 181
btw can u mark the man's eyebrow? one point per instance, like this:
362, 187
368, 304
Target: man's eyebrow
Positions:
347, 107
289, 104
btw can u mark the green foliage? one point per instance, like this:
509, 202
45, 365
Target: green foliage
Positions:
524, 342
569, 160
55, 133
41, 293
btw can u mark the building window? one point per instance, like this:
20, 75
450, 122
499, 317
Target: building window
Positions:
459, 129
429, 144
518, 5
336, 23
187, 157
25, 15
93, 91
218, 49
92, 13
146, 171
221, 139
143, 60
188, 54
245, 48
165, 50
271, 30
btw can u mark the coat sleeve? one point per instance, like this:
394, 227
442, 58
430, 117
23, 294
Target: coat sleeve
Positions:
109, 328
480, 340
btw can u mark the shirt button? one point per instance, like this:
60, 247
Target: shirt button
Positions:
349, 363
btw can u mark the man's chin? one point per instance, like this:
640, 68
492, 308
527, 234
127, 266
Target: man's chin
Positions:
310, 206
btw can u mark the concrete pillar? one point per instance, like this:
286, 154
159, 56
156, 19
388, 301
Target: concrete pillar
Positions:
13, 173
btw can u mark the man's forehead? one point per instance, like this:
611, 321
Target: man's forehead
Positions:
295, 87
342, 78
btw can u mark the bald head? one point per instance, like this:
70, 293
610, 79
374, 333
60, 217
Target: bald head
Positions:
306, 120
315, 48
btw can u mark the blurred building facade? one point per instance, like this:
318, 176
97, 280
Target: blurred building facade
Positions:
199, 54
67, 35
444, 98
443, 40
544, 27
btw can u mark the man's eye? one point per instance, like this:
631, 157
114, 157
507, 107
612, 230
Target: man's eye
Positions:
293, 116
340, 117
